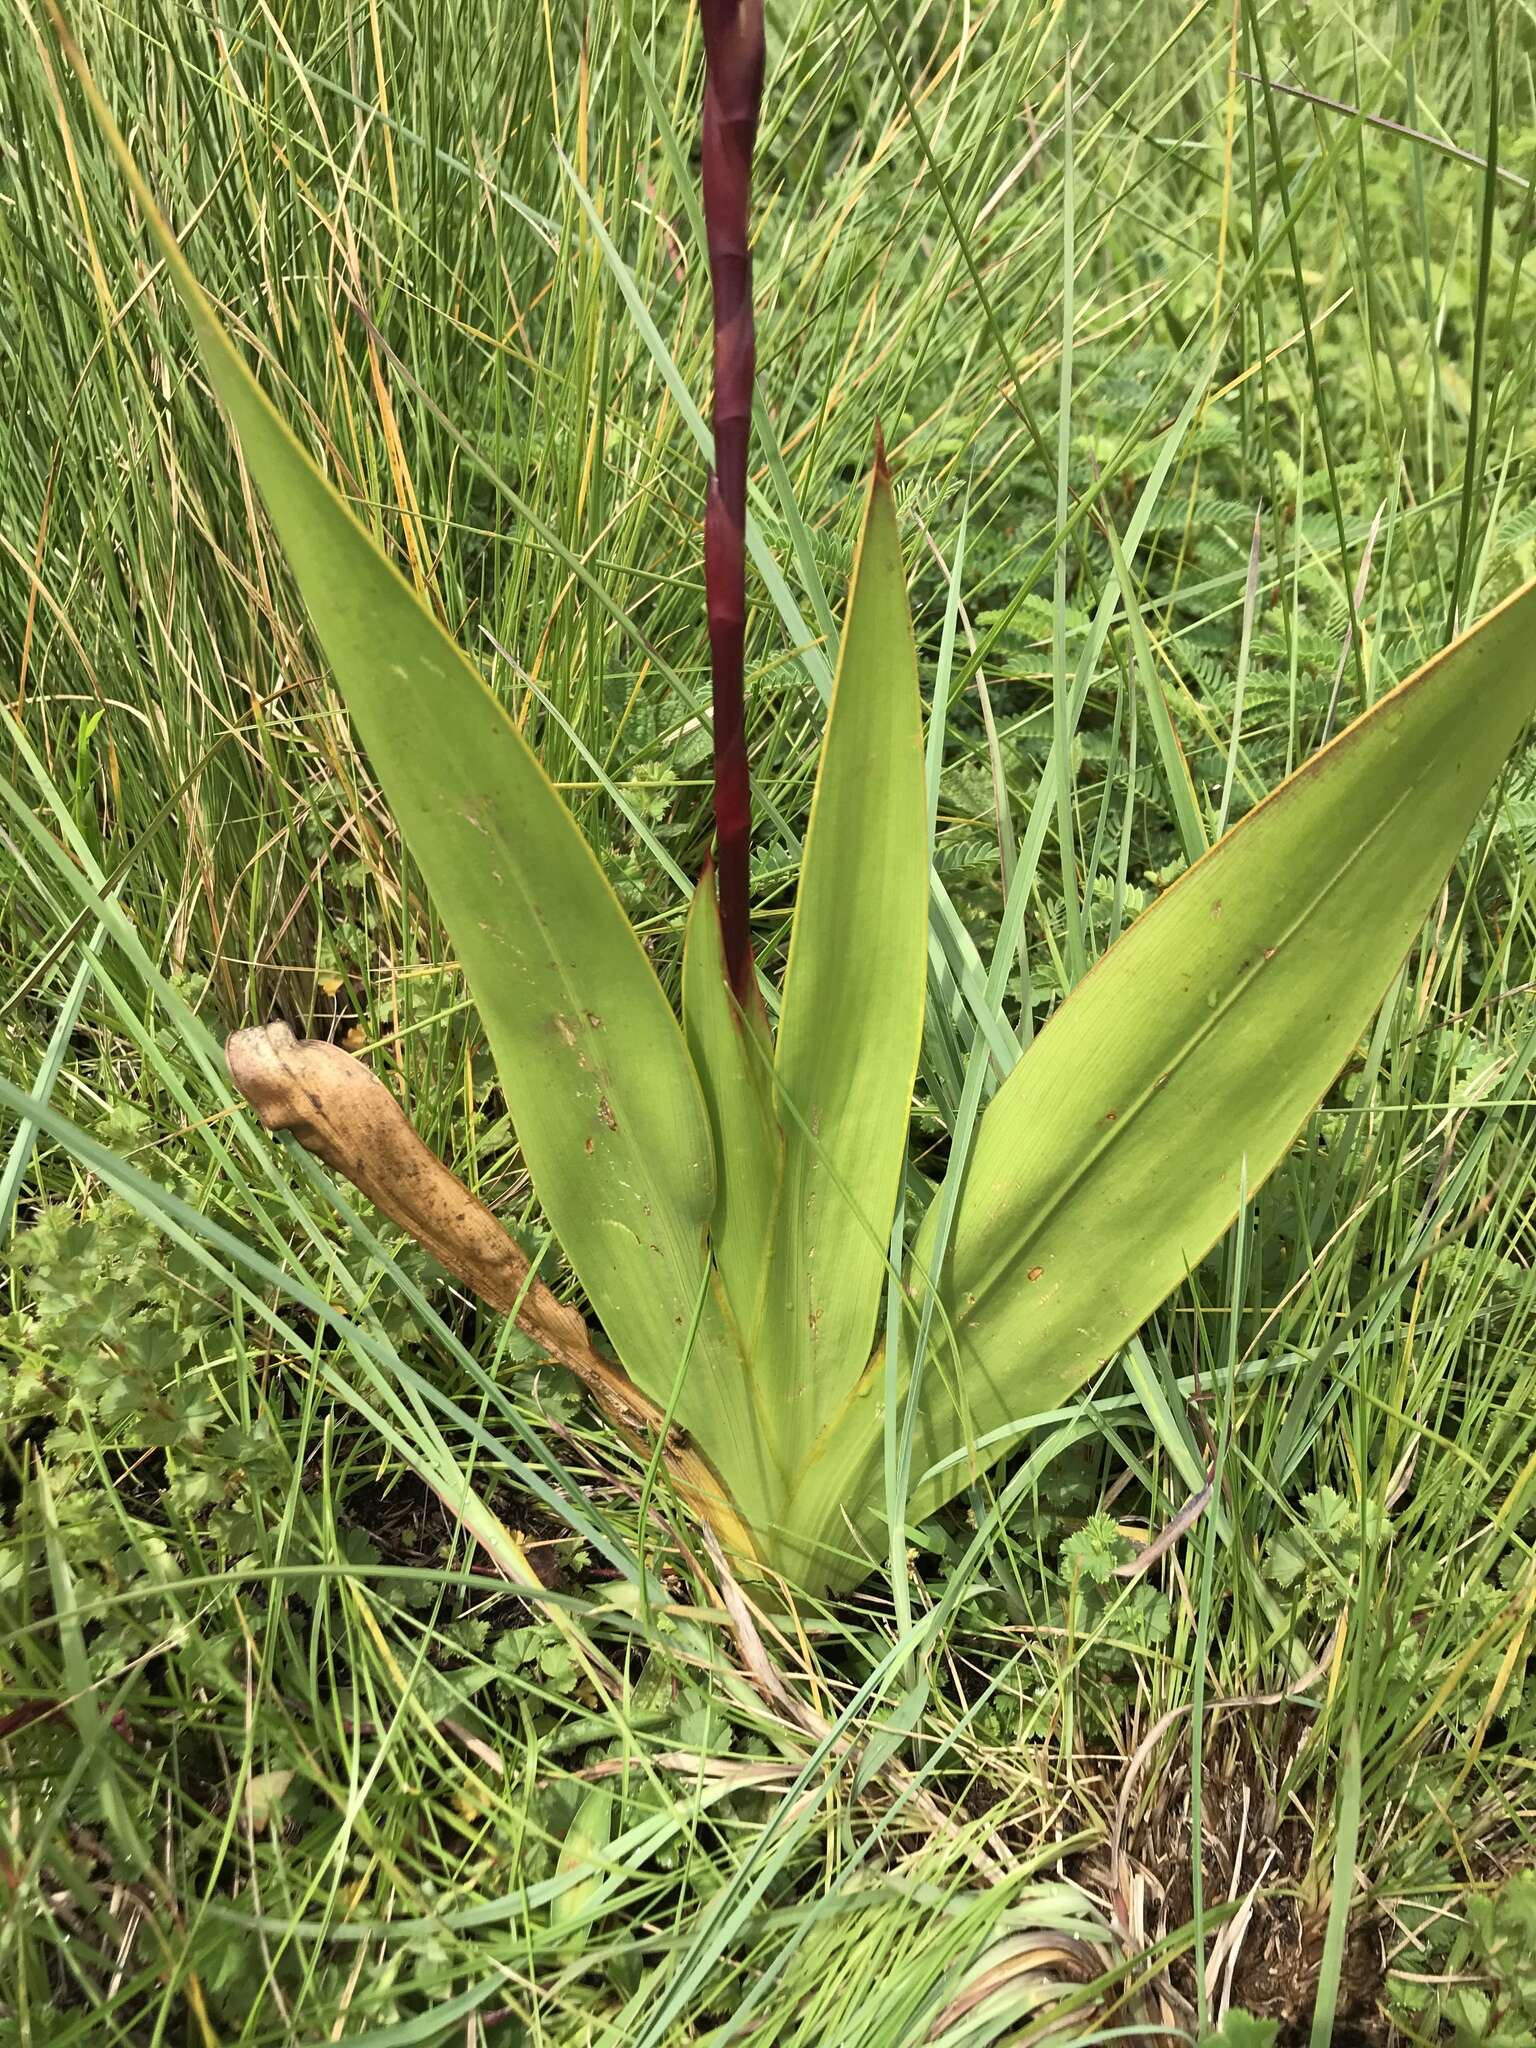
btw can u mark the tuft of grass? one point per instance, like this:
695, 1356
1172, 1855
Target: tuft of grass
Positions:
355, 1684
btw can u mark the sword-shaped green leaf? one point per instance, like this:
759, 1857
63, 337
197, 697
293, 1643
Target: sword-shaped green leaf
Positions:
733, 1053
1181, 1069
852, 1014
596, 1075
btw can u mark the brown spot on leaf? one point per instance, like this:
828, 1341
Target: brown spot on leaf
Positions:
589, 1145
1110, 1115
606, 1113
1036, 1272
1216, 909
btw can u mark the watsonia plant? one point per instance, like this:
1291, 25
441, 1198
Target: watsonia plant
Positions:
727, 1194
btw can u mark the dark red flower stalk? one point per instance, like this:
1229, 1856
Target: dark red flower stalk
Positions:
733, 91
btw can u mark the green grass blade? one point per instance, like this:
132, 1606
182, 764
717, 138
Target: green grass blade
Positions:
53, 1060
1110, 1161
1066, 823
601, 1091
1181, 789
1345, 1855
851, 1020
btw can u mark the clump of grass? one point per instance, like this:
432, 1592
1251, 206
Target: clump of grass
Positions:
387, 218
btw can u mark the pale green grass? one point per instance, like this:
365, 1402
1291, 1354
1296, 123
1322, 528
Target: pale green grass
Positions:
313, 1772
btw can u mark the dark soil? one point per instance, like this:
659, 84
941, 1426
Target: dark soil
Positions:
1249, 1845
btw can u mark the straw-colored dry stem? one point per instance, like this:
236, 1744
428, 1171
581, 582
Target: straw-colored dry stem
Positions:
346, 1117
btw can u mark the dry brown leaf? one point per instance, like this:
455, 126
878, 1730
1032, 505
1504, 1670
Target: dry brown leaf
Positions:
347, 1118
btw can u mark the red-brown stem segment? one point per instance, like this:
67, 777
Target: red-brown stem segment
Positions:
733, 90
